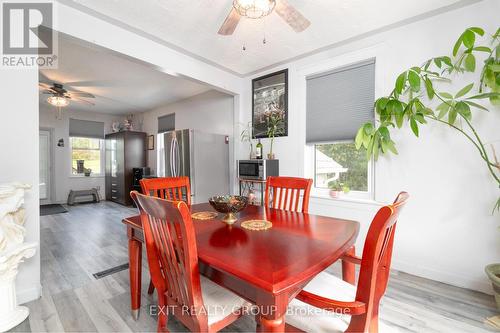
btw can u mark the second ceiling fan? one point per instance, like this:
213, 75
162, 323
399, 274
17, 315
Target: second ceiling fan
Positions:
256, 9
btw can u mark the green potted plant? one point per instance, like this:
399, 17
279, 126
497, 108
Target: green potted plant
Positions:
336, 187
412, 101
275, 128
87, 172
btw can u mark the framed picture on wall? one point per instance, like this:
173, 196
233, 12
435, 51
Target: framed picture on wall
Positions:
270, 104
151, 142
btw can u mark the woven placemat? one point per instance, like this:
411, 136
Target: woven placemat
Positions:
204, 215
256, 225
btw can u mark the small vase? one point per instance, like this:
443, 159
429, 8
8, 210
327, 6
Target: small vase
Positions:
493, 272
334, 194
270, 156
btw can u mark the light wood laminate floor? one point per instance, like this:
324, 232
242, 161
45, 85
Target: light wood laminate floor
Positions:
91, 238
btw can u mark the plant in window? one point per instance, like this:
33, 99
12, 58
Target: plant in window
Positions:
415, 90
275, 128
336, 187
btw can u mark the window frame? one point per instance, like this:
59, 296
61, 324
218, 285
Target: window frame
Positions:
102, 157
325, 192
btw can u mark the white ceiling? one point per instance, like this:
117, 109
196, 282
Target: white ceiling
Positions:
192, 26
121, 86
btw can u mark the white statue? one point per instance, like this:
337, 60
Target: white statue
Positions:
12, 252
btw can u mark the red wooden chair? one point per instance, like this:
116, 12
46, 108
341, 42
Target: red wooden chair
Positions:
173, 264
284, 193
170, 188
336, 296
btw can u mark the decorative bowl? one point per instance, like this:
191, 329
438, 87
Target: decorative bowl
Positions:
228, 204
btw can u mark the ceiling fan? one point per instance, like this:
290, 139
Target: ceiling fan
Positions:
62, 97
256, 9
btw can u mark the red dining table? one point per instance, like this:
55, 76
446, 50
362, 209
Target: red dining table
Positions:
268, 268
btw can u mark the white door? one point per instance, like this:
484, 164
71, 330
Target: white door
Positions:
45, 167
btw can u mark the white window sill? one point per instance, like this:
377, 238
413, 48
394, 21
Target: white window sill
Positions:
83, 176
346, 198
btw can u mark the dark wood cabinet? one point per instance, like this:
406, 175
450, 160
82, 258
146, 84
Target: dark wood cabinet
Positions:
124, 151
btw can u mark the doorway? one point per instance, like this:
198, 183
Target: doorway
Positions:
45, 158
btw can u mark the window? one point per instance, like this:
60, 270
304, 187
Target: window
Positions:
341, 163
86, 153
338, 102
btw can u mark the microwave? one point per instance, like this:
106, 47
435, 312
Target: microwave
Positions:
257, 169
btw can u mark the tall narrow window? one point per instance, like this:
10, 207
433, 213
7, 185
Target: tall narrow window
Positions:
338, 103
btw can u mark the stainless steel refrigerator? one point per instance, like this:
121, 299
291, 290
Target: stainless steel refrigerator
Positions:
203, 157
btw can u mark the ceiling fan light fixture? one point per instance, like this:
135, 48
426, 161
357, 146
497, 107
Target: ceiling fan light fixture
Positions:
254, 9
58, 101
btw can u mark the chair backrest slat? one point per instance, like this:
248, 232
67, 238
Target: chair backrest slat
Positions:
169, 188
285, 192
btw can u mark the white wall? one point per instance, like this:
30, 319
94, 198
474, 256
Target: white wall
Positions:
446, 231
19, 162
210, 112
63, 181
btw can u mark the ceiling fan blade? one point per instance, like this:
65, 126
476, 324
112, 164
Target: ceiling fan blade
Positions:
291, 16
230, 23
43, 85
80, 94
76, 99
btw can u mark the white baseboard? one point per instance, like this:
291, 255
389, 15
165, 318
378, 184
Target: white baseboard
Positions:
462, 281
27, 295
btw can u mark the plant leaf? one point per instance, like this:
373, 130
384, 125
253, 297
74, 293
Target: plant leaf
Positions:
414, 80
446, 95
400, 82
414, 126
390, 145
443, 109
384, 132
456, 47
485, 95
429, 88
482, 49
479, 106
470, 63
463, 109
359, 137
464, 90
468, 38
376, 149
477, 30
452, 116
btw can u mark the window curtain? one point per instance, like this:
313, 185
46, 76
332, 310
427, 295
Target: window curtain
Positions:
339, 102
86, 129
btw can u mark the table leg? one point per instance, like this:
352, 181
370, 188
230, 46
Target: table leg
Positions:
349, 269
271, 325
135, 265
272, 310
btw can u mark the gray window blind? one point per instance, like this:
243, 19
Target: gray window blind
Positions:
86, 128
166, 123
339, 101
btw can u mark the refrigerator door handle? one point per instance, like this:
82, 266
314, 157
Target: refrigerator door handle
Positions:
171, 158
177, 159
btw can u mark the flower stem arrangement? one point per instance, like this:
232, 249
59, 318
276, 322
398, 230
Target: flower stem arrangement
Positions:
275, 128
246, 136
417, 99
